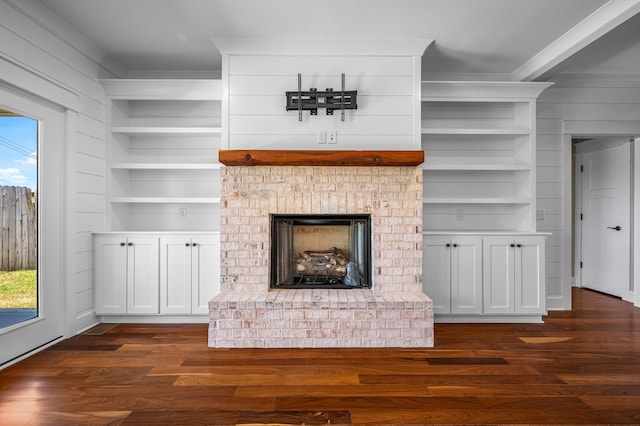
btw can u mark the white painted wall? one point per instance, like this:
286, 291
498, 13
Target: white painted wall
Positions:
578, 106
41, 55
388, 98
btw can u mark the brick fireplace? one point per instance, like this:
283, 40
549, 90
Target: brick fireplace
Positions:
392, 313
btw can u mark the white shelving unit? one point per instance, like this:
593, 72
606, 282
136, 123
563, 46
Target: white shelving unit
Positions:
479, 143
163, 170
479, 179
163, 184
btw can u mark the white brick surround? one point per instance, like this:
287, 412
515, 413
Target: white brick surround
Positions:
394, 313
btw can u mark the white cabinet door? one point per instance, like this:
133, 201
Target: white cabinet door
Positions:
498, 275
530, 292
142, 282
205, 272
514, 275
126, 275
466, 276
452, 275
436, 276
175, 275
110, 275
190, 273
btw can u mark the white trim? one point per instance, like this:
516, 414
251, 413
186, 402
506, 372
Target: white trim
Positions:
19, 75
482, 91
492, 319
155, 319
600, 22
635, 261
224, 143
318, 47
417, 103
31, 353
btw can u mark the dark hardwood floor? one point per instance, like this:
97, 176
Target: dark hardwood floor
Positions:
579, 367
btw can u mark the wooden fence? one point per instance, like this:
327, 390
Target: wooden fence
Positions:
19, 234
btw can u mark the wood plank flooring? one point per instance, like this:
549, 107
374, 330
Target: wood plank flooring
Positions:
579, 367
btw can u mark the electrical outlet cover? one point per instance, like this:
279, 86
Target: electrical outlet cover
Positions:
332, 136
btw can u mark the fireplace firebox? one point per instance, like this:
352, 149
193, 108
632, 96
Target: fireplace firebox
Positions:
320, 251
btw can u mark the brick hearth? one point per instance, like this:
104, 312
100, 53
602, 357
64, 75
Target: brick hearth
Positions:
321, 318
394, 313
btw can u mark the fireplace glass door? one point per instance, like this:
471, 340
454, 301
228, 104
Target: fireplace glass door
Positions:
320, 251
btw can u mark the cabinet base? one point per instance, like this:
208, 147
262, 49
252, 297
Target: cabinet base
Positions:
153, 319
493, 319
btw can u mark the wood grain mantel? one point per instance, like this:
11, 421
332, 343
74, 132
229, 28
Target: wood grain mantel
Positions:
320, 158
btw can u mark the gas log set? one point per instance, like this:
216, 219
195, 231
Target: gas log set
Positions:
299, 263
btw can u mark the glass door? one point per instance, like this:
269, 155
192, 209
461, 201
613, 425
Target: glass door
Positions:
18, 218
31, 223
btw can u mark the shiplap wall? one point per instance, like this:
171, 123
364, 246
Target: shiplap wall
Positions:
387, 86
34, 41
574, 106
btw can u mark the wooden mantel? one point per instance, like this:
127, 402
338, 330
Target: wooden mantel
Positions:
356, 158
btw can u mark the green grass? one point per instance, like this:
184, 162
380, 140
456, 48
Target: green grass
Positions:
18, 289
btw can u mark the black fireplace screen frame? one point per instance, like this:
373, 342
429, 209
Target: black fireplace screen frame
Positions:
358, 269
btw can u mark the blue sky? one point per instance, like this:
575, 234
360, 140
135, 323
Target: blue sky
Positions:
18, 150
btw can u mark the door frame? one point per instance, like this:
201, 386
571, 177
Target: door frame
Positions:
47, 327
576, 200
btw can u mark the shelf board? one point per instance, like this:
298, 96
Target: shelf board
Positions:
167, 200
320, 158
475, 131
454, 165
461, 200
155, 130
166, 166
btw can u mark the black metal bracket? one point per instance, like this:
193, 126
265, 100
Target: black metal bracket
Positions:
312, 100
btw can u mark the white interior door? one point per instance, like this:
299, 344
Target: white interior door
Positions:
606, 196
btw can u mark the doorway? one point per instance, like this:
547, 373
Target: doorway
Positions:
603, 199
44, 325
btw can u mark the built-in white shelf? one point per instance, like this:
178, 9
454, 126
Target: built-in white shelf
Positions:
153, 130
164, 137
167, 200
167, 166
435, 163
479, 140
467, 200
475, 131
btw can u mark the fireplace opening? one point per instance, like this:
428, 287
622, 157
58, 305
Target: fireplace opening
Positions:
320, 251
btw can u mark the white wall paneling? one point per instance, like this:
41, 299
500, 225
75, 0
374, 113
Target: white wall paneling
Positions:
60, 70
576, 106
384, 119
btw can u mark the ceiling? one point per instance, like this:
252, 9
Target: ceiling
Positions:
480, 39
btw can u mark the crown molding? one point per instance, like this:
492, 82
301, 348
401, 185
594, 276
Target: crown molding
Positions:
321, 47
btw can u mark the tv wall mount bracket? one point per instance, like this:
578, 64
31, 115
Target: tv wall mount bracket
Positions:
312, 100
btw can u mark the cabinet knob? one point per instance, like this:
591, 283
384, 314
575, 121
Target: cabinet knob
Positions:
122, 244
187, 244
513, 245
518, 245
448, 245
129, 244
455, 245
194, 244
